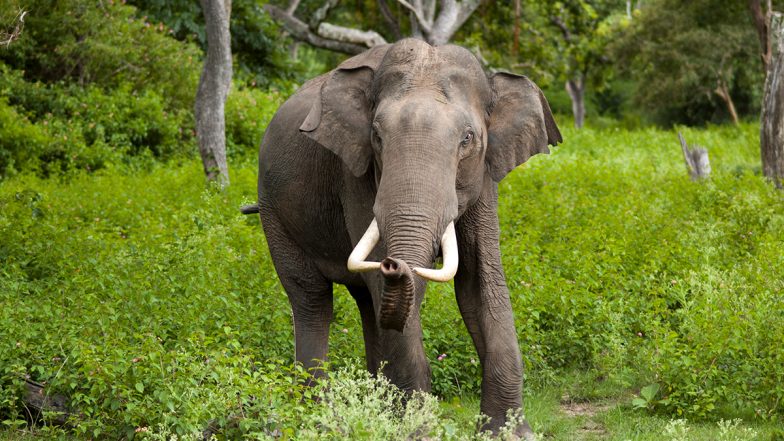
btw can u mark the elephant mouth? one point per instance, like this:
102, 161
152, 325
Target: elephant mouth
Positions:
399, 285
357, 263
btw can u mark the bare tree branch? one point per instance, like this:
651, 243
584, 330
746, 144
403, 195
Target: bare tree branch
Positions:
450, 18
292, 7
429, 10
349, 35
321, 14
417, 11
761, 23
390, 19
6, 38
435, 28
416, 31
562, 26
302, 32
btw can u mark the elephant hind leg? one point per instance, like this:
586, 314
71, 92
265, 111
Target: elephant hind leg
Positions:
369, 327
309, 293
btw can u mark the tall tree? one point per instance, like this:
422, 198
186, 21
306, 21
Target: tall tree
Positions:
770, 30
691, 59
584, 30
432, 22
761, 20
213, 90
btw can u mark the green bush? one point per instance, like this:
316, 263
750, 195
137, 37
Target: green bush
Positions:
103, 44
135, 299
20, 140
61, 127
248, 111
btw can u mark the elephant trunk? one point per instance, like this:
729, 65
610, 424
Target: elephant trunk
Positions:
412, 235
414, 210
411, 242
398, 296
400, 286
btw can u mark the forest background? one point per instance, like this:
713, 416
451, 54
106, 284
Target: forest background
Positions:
139, 296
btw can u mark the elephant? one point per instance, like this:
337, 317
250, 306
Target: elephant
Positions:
371, 172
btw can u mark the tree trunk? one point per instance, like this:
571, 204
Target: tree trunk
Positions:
762, 25
214, 86
723, 91
772, 120
576, 89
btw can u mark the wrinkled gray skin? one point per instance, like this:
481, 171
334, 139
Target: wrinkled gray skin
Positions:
417, 136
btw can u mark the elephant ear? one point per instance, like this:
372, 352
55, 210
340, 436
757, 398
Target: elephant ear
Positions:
520, 124
340, 117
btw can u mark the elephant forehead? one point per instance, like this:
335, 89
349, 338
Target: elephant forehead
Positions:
427, 112
412, 53
413, 66
450, 83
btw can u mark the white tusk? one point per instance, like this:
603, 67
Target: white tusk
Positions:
356, 261
449, 253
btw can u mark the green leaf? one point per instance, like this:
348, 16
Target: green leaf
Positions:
140, 387
639, 403
649, 392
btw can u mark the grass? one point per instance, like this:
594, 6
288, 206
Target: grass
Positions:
151, 302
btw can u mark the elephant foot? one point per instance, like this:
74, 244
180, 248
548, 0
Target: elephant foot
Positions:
522, 431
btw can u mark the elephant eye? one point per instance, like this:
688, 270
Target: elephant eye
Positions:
374, 133
469, 136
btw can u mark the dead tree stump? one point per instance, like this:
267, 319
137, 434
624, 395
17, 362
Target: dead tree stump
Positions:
696, 159
39, 402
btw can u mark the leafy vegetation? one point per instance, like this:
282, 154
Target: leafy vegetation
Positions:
693, 61
85, 87
648, 306
259, 56
152, 307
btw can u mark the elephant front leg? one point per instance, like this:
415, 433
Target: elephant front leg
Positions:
369, 327
484, 303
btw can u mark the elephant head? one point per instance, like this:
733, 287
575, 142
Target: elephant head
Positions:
429, 126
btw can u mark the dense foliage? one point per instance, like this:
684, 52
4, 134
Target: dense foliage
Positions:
150, 306
682, 54
86, 86
254, 36
148, 300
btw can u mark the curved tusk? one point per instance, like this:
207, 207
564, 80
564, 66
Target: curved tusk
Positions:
356, 261
449, 252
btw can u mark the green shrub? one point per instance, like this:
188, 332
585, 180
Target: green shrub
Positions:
248, 111
138, 293
20, 140
61, 127
103, 44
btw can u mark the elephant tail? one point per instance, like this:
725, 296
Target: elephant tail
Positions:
249, 209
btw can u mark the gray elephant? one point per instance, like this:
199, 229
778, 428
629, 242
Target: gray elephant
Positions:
370, 172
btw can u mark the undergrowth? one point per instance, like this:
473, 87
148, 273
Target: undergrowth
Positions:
152, 303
